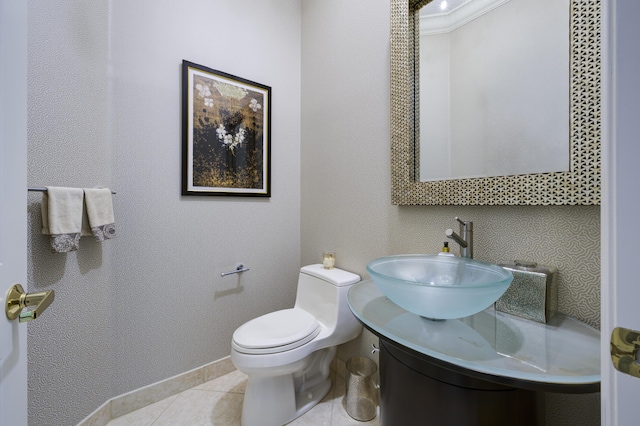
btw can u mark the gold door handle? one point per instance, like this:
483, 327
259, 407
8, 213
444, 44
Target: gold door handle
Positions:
18, 299
625, 345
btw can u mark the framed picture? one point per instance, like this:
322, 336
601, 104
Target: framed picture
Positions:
226, 125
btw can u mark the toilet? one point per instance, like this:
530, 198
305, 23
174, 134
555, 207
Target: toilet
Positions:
287, 353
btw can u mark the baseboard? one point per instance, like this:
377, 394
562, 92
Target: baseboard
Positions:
139, 398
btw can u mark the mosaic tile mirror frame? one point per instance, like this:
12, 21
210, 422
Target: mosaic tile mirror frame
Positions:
579, 186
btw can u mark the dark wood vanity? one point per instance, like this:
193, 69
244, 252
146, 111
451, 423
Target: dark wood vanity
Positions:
487, 369
413, 387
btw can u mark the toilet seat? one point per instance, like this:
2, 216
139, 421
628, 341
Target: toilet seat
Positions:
276, 332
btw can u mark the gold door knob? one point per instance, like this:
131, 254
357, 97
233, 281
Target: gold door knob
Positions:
18, 299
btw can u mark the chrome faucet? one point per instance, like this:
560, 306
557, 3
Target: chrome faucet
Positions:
466, 240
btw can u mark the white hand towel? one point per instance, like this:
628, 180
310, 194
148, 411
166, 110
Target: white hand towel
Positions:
99, 206
62, 217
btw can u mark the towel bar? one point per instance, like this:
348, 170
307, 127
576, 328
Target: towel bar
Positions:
45, 190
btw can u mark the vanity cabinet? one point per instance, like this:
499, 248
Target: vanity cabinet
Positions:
414, 388
490, 368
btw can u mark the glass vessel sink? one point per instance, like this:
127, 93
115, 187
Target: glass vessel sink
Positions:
439, 287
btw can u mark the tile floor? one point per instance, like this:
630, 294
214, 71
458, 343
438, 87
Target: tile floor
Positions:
219, 402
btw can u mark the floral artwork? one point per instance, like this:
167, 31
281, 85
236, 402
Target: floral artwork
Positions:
226, 123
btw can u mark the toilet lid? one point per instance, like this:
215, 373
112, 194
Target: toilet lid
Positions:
276, 332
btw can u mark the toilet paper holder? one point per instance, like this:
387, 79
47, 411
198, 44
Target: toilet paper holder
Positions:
239, 268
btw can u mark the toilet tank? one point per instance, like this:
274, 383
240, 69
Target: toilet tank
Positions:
323, 293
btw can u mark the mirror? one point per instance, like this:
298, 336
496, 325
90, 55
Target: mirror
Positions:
494, 86
575, 179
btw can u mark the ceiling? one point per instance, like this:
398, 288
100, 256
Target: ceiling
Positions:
434, 8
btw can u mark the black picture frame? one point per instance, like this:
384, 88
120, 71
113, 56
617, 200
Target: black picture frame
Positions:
226, 124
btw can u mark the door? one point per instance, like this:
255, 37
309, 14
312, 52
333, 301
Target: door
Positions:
13, 206
621, 202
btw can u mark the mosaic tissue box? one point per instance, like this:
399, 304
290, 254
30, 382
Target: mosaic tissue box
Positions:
533, 293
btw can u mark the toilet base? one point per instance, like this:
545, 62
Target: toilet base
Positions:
277, 400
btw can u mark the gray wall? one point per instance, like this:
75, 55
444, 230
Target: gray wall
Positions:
70, 356
346, 182
104, 110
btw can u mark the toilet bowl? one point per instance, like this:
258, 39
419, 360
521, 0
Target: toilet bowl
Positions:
286, 354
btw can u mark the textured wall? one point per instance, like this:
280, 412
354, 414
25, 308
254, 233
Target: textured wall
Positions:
70, 347
174, 248
104, 110
346, 202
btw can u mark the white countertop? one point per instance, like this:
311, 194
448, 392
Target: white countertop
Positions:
564, 351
